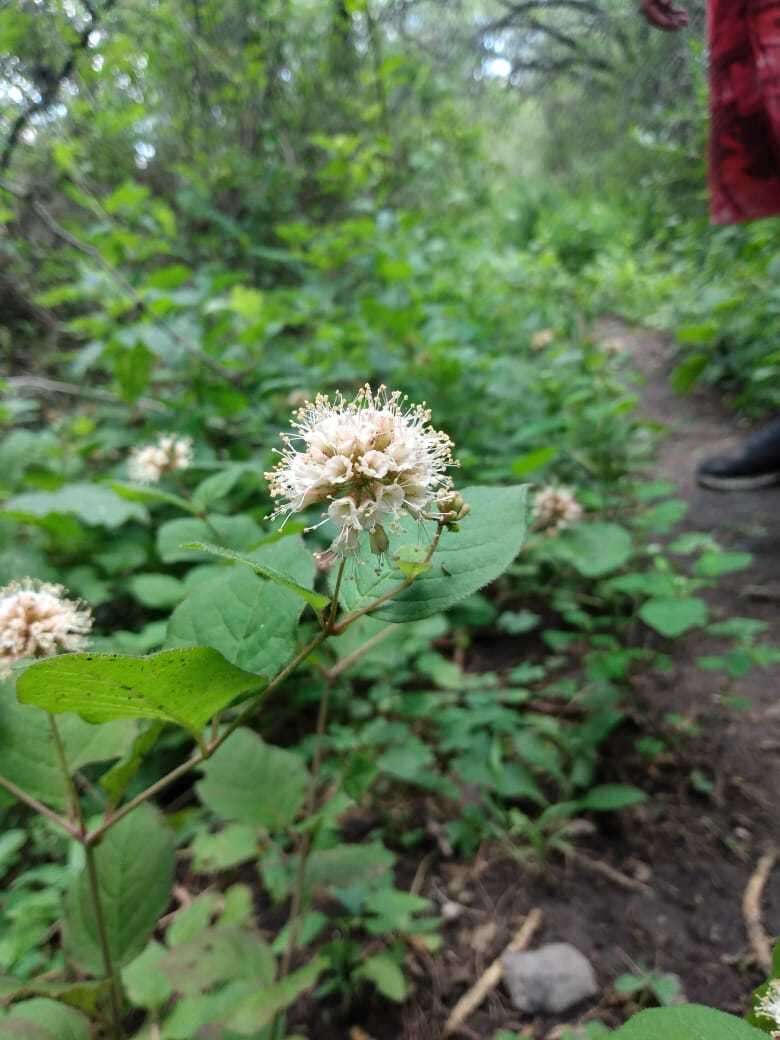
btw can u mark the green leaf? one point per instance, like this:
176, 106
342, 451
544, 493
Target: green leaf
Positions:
252, 782
116, 780
488, 540
182, 686
260, 1008
384, 971
673, 617
609, 797
237, 532
86, 743
151, 495
93, 504
685, 375
689, 1022
712, 564
533, 460
27, 751
346, 865
314, 599
64, 1023
158, 591
86, 996
218, 955
251, 623
595, 549
236, 843
144, 983
217, 486
135, 867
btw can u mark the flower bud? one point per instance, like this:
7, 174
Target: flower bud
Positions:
378, 540
452, 507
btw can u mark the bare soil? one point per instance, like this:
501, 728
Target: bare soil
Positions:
695, 850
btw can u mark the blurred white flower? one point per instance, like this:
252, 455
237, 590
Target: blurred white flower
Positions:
150, 462
36, 620
543, 338
769, 1005
555, 508
373, 459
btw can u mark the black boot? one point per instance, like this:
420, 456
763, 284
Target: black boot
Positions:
755, 465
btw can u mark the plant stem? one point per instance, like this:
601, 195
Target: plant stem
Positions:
345, 622
73, 798
346, 662
332, 627
92, 878
39, 807
105, 949
296, 900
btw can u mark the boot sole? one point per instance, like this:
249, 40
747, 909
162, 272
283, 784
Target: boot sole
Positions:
755, 483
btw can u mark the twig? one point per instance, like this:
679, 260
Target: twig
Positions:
39, 384
346, 662
751, 909
597, 866
39, 807
492, 975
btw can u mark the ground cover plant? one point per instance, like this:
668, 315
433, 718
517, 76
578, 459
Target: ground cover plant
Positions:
259, 695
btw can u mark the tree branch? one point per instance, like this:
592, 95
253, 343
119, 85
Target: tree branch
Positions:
48, 94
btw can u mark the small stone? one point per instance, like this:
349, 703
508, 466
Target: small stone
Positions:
551, 979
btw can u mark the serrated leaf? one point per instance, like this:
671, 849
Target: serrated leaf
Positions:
674, 617
260, 1008
27, 751
314, 599
135, 867
182, 686
251, 623
488, 540
234, 844
689, 1022
712, 564
93, 504
252, 782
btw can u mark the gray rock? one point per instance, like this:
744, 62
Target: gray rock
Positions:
551, 979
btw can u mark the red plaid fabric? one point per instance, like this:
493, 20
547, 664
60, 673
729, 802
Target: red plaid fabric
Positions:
745, 106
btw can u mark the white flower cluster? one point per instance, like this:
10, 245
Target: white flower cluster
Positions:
152, 461
555, 508
769, 1006
372, 459
36, 620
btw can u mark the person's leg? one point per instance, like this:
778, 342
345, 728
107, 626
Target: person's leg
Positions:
755, 465
745, 177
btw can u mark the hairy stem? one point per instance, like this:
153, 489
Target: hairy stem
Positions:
105, 949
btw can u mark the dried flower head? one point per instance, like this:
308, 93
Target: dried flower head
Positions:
543, 338
36, 620
152, 461
769, 1006
372, 460
555, 508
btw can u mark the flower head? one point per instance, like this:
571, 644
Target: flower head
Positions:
555, 508
36, 620
150, 462
368, 461
769, 1005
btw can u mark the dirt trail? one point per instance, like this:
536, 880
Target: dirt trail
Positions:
699, 425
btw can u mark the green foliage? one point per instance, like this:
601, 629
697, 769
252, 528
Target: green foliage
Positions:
134, 867
686, 1023
182, 686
